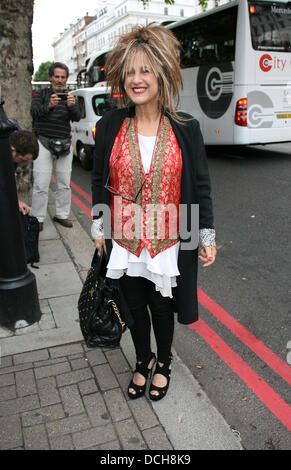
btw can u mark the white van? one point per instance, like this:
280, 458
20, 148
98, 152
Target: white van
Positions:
93, 102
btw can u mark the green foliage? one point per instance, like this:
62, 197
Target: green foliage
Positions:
145, 3
42, 74
167, 2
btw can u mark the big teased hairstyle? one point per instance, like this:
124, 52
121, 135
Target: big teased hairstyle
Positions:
161, 49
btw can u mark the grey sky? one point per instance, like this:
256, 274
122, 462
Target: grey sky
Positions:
50, 19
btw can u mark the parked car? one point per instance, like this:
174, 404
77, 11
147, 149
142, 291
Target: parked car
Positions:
93, 102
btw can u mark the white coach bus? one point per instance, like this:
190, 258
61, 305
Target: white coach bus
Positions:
236, 62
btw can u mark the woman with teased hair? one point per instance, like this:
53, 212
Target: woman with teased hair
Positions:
149, 164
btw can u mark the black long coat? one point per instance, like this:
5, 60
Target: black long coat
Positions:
195, 190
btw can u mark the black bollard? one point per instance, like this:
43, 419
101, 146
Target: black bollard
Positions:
18, 290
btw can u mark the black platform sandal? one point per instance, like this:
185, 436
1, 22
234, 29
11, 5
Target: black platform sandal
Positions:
141, 368
164, 370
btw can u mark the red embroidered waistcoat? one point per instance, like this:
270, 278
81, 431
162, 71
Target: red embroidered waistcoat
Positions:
151, 219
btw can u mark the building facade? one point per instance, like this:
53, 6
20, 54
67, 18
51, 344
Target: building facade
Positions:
80, 50
71, 46
116, 18
63, 50
92, 34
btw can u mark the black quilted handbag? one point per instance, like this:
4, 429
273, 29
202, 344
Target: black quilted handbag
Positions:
99, 310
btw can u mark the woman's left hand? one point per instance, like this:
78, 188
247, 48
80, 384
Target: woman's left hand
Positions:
208, 255
24, 208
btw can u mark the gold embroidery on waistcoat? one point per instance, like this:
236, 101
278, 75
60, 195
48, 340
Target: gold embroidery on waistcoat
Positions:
157, 244
130, 140
135, 160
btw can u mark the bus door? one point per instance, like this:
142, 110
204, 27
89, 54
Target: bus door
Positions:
269, 101
188, 96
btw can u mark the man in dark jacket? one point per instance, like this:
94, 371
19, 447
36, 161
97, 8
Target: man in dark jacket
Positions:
52, 111
24, 148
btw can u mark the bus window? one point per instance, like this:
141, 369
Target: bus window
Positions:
208, 40
270, 26
101, 104
71, 86
208, 54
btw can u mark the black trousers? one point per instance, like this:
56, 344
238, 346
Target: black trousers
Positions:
141, 294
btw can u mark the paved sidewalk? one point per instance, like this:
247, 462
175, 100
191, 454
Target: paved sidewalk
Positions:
55, 393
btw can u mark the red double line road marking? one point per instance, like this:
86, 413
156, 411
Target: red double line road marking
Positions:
264, 392
81, 206
79, 203
257, 346
81, 192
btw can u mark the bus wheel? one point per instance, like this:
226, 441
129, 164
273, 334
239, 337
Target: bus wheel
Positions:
85, 158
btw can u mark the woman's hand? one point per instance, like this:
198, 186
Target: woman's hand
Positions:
24, 208
99, 244
208, 255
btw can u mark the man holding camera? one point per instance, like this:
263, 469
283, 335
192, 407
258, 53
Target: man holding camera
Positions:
52, 111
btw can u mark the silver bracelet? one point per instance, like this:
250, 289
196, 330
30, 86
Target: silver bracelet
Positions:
97, 229
207, 237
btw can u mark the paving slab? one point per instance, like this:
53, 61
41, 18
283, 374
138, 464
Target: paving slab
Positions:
39, 340
77, 243
49, 231
65, 310
52, 251
57, 280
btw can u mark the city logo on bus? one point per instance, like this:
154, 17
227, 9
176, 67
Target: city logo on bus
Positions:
215, 89
268, 62
260, 110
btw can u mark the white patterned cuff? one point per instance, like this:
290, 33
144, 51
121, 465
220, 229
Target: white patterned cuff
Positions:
97, 229
207, 237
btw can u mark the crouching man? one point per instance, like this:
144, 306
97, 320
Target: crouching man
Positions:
24, 148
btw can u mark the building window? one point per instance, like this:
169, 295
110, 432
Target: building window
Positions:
165, 11
182, 12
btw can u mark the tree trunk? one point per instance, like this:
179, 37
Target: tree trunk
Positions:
16, 66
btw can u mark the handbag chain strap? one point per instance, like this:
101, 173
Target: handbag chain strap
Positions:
115, 308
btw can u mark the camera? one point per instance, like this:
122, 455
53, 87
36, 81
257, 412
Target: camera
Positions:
63, 96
